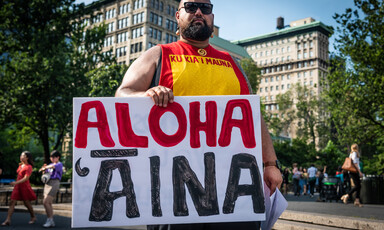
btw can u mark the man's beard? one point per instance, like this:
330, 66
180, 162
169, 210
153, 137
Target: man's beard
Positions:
196, 32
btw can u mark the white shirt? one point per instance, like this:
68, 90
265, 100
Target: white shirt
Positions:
312, 171
355, 159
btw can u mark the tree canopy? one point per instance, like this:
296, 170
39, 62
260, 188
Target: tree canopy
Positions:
46, 59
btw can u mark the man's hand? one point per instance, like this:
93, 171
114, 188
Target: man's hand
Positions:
272, 178
160, 95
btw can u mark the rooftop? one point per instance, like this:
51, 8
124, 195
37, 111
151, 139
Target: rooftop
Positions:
288, 31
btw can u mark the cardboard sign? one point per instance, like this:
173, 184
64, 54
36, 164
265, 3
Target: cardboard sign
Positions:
196, 161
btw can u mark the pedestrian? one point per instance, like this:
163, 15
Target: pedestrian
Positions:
154, 74
355, 156
22, 190
286, 174
312, 179
296, 180
305, 181
55, 169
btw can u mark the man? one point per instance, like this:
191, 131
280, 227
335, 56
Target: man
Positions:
312, 178
182, 69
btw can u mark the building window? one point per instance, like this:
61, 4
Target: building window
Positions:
155, 33
122, 51
138, 18
288, 48
277, 78
261, 90
137, 32
125, 8
288, 76
271, 79
122, 23
277, 87
299, 65
111, 27
138, 4
271, 88
137, 47
122, 37
170, 38
156, 19
282, 87
108, 41
266, 89
110, 14
288, 86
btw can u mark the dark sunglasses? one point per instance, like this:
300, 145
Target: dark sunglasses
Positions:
191, 7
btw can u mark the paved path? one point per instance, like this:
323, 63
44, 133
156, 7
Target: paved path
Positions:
302, 213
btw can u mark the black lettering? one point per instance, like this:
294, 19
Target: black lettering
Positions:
234, 190
102, 201
155, 186
204, 200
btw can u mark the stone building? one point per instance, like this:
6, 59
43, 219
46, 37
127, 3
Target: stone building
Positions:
293, 54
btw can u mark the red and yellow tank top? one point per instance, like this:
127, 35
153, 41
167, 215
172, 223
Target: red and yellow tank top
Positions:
188, 73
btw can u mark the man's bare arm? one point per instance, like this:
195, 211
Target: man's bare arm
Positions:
138, 78
272, 175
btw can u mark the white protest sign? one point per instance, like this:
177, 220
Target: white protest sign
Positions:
196, 161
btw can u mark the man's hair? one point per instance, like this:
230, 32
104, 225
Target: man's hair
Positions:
55, 153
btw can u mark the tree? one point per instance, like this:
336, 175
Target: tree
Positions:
252, 71
357, 80
300, 106
45, 58
355, 92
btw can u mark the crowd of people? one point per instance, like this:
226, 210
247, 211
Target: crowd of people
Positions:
305, 181
22, 190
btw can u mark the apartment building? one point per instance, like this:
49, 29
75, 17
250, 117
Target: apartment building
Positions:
292, 54
134, 26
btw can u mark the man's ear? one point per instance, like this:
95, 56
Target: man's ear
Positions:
177, 15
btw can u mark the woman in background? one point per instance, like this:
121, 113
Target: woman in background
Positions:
55, 169
22, 190
355, 156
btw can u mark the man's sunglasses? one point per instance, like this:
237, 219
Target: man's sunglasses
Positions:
191, 7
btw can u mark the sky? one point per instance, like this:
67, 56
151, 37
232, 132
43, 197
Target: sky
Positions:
249, 18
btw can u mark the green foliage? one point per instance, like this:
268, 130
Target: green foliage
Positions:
354, 87
46, 60
297, 151
332, 157
252, 71
106, 80
307, 114
357, 79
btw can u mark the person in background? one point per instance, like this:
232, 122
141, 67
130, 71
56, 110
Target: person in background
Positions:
296, 179
286, 173
22, 190
312, 179
304, 177
55, 169
355, 156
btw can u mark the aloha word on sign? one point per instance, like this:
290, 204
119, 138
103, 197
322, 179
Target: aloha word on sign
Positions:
197, 160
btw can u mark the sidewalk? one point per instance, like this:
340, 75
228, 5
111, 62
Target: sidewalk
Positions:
302, 213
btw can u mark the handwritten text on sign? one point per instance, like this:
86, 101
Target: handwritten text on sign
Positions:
134, 161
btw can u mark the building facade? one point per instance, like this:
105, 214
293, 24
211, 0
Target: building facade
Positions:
293, 54
134, 26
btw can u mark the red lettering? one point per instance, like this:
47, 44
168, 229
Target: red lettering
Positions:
195, 60
158, 135
245, 124
101, 124
187, 59
208, 60
209, 126
173, 58
127, 137
179, 59
215, 62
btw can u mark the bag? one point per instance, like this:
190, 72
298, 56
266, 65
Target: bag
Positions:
349, 165
45, 177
